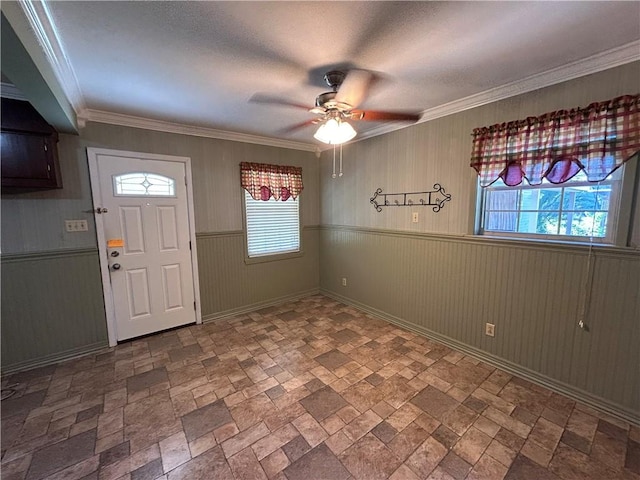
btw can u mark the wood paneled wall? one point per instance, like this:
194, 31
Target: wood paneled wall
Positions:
33, 222
436, 277
450, 287
52, 307
228, 284
438, 151
33, 228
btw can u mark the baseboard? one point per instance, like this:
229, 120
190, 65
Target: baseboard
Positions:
257, 306
574, 393
54, 358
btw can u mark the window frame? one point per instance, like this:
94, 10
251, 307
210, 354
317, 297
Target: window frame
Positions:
619, 228
270, 257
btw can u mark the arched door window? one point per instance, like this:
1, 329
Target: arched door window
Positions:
144, 184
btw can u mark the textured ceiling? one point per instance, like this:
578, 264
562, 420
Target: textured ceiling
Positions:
198, 63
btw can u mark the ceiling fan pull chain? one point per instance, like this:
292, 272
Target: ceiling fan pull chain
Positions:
334, 162
340, 160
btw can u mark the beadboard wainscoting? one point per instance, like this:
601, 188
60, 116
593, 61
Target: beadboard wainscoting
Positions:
229, 286
52, 307
447, 287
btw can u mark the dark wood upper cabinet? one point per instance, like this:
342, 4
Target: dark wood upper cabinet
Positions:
29, 148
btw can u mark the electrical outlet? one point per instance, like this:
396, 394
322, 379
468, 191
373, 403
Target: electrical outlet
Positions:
490, 329
344, 281
414, 217
76, 225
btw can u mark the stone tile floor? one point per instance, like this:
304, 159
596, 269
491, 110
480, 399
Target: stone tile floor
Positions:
310, 389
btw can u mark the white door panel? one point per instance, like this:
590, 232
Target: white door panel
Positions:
146, 230
137, 291
131, 228
168, 233
172, 283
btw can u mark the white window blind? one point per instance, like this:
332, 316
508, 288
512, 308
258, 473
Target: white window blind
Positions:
273, 227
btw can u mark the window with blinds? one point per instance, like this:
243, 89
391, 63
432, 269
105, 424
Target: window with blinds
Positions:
273, 226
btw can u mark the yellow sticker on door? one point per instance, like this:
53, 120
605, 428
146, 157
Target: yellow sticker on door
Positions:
115, 242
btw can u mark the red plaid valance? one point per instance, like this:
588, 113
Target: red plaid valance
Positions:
557, 145
264, 181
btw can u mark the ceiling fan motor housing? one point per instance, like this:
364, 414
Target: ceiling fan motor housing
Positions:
334, 79
328, 102
324, 98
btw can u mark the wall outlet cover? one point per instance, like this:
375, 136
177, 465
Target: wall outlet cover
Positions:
490, 330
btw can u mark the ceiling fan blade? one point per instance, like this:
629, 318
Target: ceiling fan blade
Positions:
271, 100
298, 126
355, 87
377, 116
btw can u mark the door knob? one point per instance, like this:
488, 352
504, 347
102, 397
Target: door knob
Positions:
116, 266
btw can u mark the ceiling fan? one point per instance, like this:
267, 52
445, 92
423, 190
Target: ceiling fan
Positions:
334, 109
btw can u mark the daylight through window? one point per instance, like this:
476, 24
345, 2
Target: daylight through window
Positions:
575, 208
560, 175
144, 184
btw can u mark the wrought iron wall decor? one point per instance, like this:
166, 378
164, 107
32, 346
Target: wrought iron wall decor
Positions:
431, 198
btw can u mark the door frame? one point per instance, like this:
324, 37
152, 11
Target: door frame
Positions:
109, 307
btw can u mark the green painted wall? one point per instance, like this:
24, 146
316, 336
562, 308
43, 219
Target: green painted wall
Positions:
228, 283
446, 284
52, 307
33, 223
435, 276
450, 287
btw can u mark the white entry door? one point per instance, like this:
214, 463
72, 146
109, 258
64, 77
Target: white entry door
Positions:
143, 209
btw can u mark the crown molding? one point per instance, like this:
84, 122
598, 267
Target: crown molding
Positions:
596, 63
183, 129
9, 90
43, 25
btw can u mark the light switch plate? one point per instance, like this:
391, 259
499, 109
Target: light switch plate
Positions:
76, 225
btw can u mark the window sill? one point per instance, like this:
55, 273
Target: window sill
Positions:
555, 244
552, 241
272, 258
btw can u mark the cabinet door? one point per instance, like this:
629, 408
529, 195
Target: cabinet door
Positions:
28, 161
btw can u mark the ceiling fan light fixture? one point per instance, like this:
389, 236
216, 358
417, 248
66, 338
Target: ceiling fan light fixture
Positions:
335, 132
